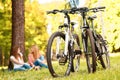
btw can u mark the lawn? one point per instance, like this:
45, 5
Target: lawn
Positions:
109, 74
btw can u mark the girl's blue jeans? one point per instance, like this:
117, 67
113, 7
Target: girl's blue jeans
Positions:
38, 62
23, 68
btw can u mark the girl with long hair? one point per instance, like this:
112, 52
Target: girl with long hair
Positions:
35, 59
17, 59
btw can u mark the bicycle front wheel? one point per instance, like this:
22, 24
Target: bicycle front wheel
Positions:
58, 62
90, 51
104, 56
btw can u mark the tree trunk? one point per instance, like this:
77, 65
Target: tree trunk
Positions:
1, 56
18, 21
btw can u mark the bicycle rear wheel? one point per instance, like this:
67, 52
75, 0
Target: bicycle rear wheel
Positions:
58, 63
104, 55
90, 51
76, 52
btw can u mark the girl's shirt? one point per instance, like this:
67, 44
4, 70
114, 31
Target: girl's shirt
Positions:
19, 60
31, 59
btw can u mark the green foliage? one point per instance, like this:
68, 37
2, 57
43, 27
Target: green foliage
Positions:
5, 27
112, 23
111, 18
35, 24
36, 21
35, 29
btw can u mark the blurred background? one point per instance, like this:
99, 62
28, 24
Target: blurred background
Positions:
39, 26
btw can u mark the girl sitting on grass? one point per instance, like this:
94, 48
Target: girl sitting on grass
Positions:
17, 59
35, 59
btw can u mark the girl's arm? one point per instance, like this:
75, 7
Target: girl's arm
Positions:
30, 60
21, 57
14, 60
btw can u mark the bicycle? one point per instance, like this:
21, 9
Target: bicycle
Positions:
63, 49
100, 43
92, 41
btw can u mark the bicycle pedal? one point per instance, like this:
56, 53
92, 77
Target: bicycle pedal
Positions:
62, 64
78, 52
59, 55
62, 61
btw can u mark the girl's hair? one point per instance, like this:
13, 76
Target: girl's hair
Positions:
35, 51
15, 52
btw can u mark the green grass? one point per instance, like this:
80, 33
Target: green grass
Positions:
109, 74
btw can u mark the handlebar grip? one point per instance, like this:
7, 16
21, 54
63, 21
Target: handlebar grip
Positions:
53, 11
48, 12
103, 7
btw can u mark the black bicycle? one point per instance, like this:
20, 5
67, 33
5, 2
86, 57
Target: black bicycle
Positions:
63, 56
94, 46
100, 43
63, 49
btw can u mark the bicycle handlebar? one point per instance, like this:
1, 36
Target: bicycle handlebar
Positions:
97, 8
60, 11
53, 11
86, 9
75, 10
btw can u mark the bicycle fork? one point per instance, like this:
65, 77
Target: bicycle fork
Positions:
63, 56
84, 40
67, 37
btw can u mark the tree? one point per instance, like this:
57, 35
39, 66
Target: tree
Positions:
111, 18
18, 22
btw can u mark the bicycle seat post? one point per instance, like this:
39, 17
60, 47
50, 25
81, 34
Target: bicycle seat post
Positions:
67, 19
91, 18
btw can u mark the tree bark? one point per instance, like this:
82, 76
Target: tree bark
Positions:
18, 21
1, 56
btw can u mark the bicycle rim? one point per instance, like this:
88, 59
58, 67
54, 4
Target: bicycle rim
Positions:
58, 63
104, 55
76, 63
105, 59
76, 54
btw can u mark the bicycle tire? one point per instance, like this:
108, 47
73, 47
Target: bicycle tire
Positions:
104, 55
90, 56
76, 54
58, 70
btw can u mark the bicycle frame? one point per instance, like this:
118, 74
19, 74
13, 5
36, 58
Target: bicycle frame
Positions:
67, 31
96, 37
68, 34
91, 18
66, 49
83, 30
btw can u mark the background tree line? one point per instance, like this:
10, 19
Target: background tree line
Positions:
36, 21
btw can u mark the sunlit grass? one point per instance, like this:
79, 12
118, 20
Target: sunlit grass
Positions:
109, 74
3, 67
